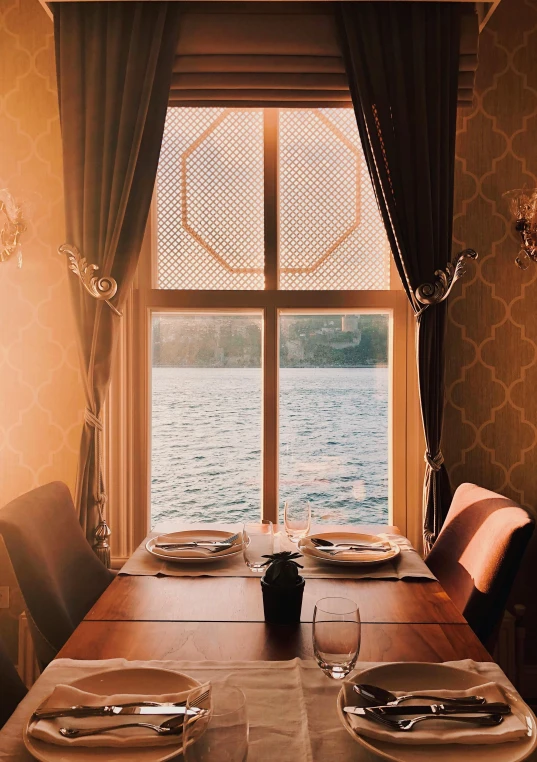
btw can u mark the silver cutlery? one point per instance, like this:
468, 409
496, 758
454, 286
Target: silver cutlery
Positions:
136, 707
382, 697
331, 546
483, 720
355, 551
218, 549
220, 544
173, 726
321, 541
494, 707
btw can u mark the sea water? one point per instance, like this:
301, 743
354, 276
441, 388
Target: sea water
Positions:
206, 443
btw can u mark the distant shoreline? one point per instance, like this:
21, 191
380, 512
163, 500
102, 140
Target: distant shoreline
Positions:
258, 367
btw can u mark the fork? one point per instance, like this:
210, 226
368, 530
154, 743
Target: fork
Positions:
483, 720
171, 726
193, 544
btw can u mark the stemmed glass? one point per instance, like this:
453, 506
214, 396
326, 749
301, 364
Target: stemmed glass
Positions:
297, 519
336, 636
258, 541
221, 733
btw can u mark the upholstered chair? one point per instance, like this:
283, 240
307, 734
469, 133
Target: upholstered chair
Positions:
59, 575
12, 689
478, 553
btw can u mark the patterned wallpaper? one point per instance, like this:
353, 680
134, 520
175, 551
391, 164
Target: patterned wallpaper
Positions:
41, 398
491, 407
490, 434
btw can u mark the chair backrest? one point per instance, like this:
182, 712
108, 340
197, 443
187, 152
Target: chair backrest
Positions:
478, 552
12, 689
59, 575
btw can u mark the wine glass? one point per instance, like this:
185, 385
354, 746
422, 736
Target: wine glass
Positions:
258, 541
336, 636
221, 733
297, 519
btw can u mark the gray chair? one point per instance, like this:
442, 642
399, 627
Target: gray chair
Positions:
478, 553
59, 575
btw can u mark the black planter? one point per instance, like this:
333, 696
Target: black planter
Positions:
282, 605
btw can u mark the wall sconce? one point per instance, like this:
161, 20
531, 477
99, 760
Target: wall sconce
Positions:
523, 207
12, 226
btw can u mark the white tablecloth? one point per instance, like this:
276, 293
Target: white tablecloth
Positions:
291, 706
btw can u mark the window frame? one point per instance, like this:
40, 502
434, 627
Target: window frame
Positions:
128, 410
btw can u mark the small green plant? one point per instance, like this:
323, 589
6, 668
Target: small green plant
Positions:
282, 569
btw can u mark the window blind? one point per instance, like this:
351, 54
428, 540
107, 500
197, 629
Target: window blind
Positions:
275, 54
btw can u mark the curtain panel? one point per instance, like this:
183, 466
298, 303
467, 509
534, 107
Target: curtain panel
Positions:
114, 65
402, 61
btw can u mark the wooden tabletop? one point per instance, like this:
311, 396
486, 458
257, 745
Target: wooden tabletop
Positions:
222, 618
238, 599
250, 641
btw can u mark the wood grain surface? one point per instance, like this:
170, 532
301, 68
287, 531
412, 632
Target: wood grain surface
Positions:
238, 599
250, 641
222, 618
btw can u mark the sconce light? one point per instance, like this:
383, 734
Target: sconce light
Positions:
12, 226
523, 206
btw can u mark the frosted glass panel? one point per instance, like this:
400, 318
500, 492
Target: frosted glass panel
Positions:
210, 200
331, 233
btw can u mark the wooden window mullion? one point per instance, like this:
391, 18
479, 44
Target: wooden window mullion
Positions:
270, 321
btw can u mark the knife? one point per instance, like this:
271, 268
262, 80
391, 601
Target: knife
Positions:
107, 711
193, 544
353, 549
492, 708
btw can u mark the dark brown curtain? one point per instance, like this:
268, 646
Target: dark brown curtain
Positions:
402, 61
114, 67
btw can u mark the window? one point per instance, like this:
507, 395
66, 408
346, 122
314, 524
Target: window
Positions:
206, 416
267, 329
333, 414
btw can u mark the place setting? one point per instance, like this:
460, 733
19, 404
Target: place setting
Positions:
145, 713
195, 546
349, 554
398, 711
203, 549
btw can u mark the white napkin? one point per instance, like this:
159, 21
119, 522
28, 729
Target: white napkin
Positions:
67, 695
397, 539
512, 728
191, 552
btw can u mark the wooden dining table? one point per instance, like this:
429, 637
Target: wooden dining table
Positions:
221, 618
198, 625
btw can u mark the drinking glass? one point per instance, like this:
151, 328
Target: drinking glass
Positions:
297, 519
336, 636
220, 734
258, 541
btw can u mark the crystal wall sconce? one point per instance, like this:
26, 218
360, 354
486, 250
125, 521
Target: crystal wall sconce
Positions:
12, 226
523, 207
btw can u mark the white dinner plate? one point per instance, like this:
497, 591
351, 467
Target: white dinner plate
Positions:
188, 557
141, 681
349, 559
415, 676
